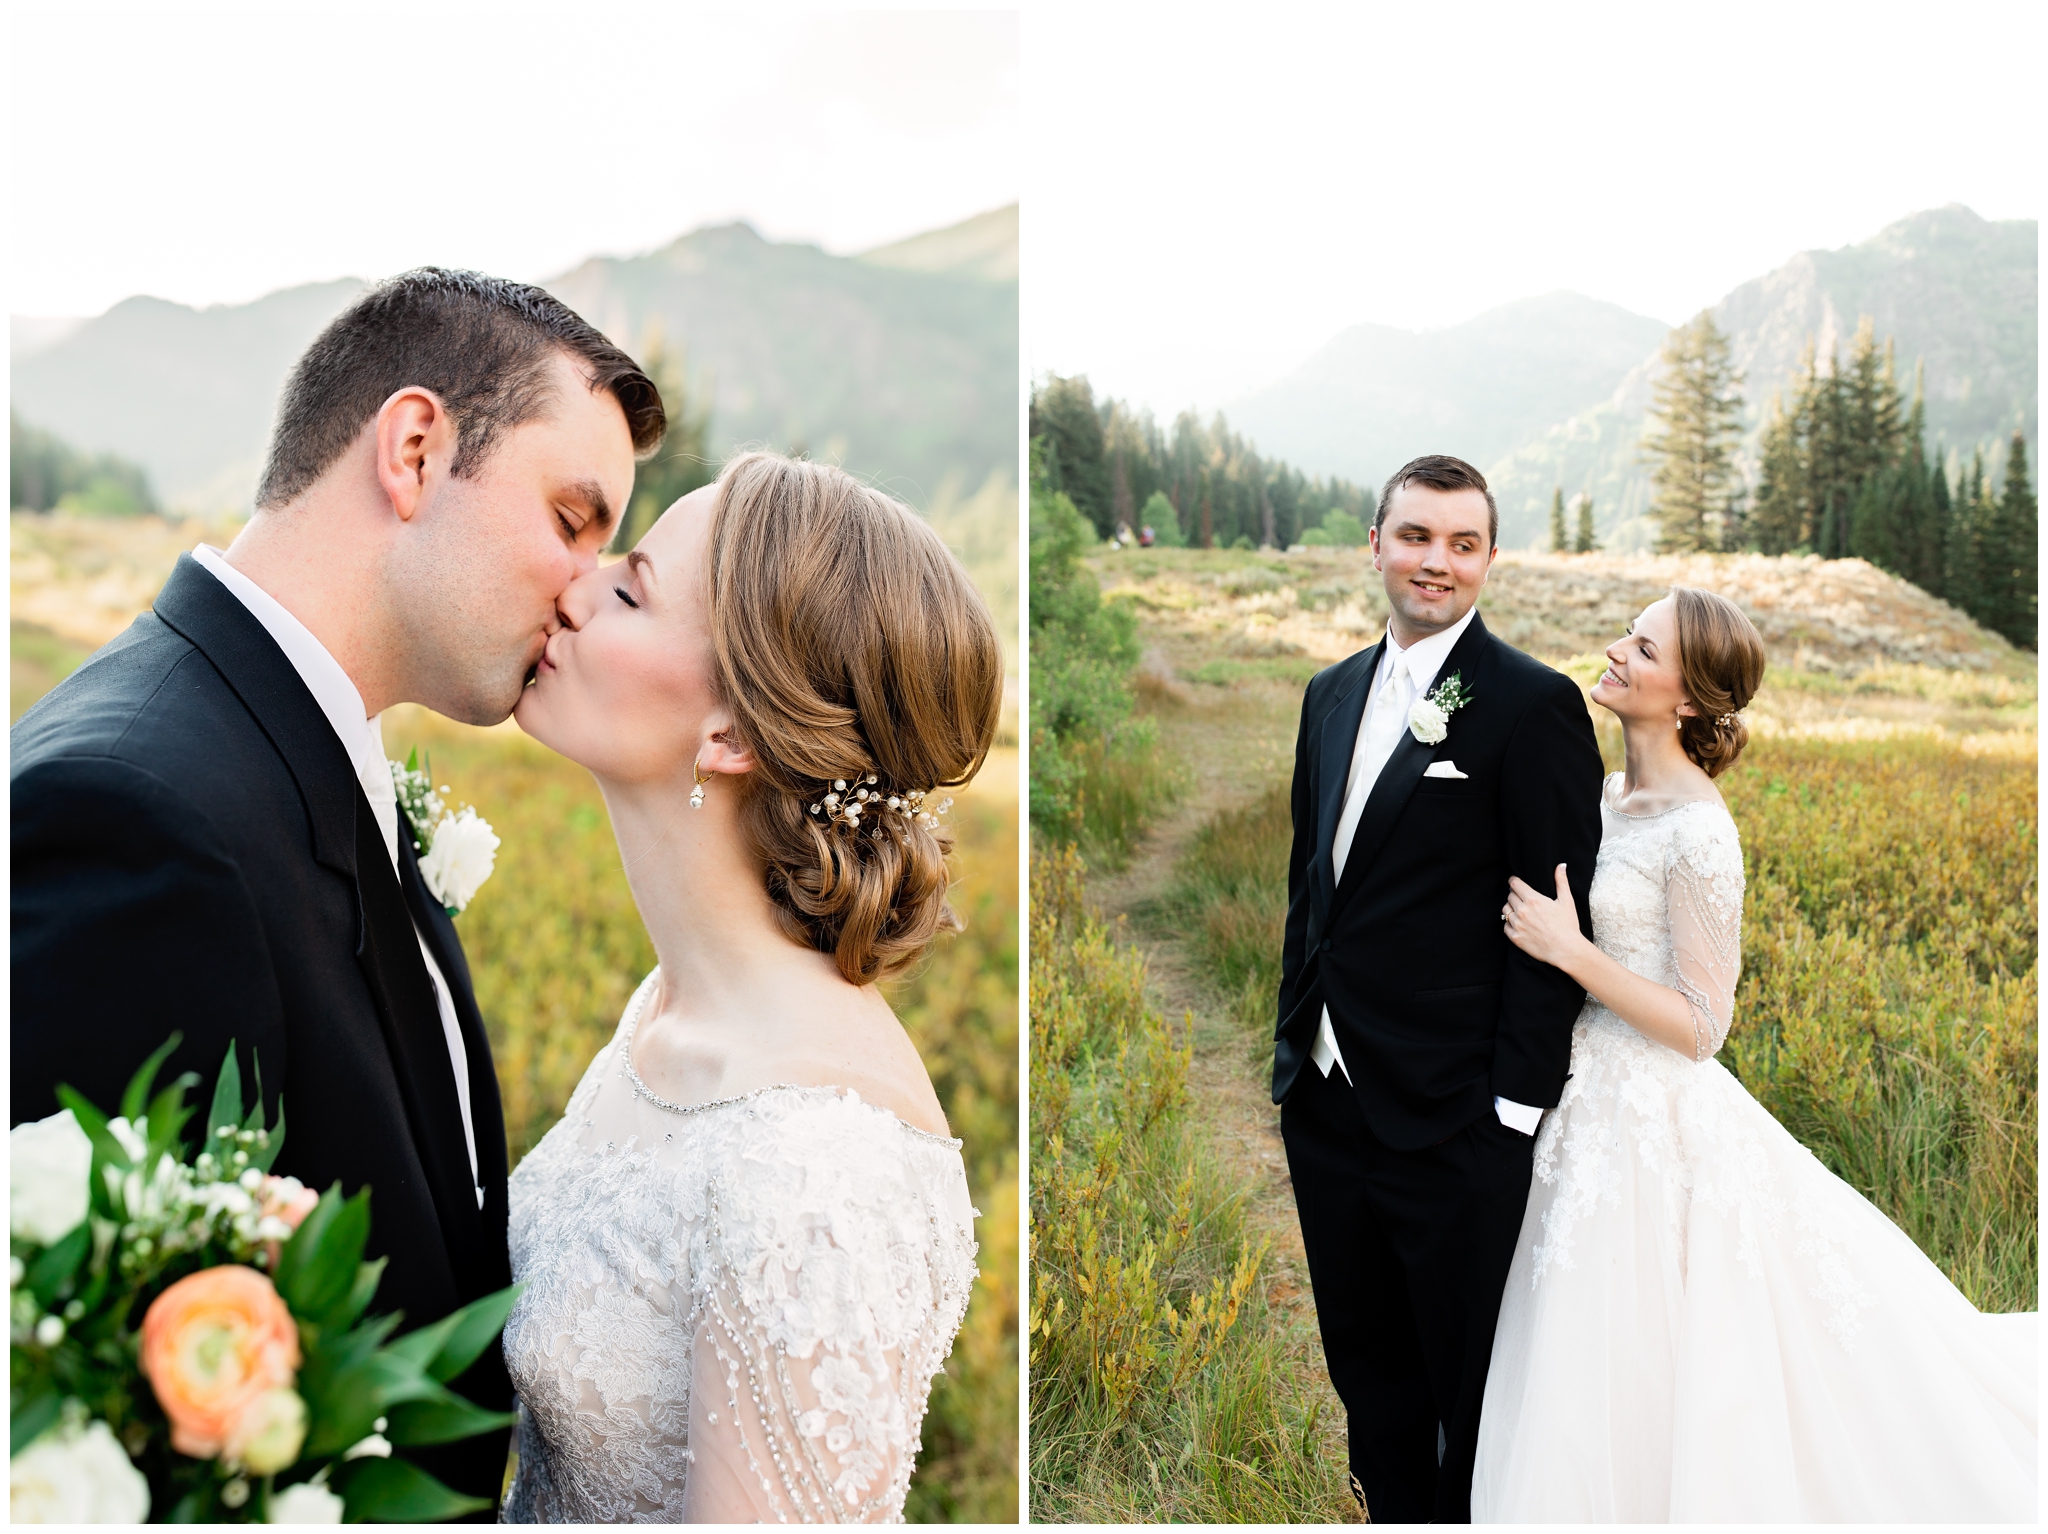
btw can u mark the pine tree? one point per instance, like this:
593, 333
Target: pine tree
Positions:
1778, 523
1941, 535
2011, 548
1585, 543
1557, 540
1698, 405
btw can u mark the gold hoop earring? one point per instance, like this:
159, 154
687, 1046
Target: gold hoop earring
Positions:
697, 794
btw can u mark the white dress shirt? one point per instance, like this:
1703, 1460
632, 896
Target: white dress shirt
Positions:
362, 736
1401, 677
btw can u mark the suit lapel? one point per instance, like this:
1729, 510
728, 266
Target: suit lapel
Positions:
1340, 740
199, 607
438, 928
412, 1028
1397, 780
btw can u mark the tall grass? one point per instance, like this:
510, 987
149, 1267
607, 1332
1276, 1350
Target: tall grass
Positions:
1888, 1011
1166, 1387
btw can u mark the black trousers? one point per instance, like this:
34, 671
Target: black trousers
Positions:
1408, 1254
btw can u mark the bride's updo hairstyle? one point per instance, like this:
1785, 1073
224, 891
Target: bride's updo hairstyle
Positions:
848, 642
1721, 660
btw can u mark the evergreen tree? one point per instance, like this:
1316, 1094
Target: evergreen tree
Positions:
1585, 543
1779, 521
1697, 404
2011, 549
1941, 534
1064, 412
1557, 538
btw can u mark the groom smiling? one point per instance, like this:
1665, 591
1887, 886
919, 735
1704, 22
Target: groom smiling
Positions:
1416, 1047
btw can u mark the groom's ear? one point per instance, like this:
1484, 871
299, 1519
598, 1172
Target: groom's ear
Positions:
415, 437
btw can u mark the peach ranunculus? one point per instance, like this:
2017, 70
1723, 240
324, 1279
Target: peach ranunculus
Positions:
213, 1344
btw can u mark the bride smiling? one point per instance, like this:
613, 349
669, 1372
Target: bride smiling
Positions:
747, 1247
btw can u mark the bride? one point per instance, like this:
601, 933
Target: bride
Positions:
1701, 1322
747, 1247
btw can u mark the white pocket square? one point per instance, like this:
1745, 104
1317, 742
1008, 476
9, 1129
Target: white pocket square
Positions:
1443, 770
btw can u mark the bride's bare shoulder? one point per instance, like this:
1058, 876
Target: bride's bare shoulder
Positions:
860, 1043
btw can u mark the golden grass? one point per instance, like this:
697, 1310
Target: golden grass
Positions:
1166, 1384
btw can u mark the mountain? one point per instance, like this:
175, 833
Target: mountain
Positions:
1375, 396
186, 393
902, 373
983, 246
902, 364
1956, 292
1552, 391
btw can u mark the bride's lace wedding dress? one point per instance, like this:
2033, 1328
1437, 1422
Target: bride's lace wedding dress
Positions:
1702, 1323
734, 1310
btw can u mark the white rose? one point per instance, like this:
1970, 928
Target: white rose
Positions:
1427, 722
76, 1475
305, 1503
460, 860
49, 1169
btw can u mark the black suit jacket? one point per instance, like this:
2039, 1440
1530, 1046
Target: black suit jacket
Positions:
1436, 1012
192, 852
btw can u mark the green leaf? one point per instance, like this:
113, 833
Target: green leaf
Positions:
168, 1114
227, 1099
368, 1275
455, 1342
443, 1419
297, 1253
412, 762
266, 1158
137, 1095
25, 1423
320, 1281
393, 1491
94, 1123
55, 1266
343, 1405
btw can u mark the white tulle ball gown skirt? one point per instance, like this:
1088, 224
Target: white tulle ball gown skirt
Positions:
1703, 1324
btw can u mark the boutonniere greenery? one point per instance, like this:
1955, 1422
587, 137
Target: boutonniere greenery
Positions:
1430, 720
456, 849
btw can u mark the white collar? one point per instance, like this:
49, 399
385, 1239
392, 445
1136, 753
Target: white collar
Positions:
1426, 657
361, 736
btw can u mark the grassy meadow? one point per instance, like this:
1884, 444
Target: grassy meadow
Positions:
1888, 1012
556, 948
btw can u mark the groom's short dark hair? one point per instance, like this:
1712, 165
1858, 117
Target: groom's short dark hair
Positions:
484, 345
1440, 471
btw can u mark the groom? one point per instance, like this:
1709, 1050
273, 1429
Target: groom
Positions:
205, 835
1416, 1046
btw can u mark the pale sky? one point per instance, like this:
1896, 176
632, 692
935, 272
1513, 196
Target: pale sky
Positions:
214, 153
1209, 199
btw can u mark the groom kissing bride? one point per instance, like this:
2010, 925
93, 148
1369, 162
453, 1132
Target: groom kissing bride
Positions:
1565, 1268
770, 690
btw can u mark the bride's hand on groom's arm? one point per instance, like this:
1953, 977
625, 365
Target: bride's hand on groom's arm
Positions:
1546, 929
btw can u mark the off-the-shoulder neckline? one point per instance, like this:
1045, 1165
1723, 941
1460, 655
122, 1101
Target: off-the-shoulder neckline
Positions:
1683, 804
624, 1044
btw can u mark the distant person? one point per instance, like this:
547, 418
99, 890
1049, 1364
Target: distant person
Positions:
748, 1246
1145, 536
1416, 1047
1702, 1323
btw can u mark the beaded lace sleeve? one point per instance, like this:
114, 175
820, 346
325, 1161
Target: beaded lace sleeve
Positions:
1704, 885
829, 1300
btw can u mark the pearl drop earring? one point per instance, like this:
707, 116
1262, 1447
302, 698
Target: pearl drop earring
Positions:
702, 777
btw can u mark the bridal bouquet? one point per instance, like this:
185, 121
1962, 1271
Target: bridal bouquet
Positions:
187, 1331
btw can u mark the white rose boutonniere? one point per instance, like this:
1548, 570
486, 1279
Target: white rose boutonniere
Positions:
456, 850
1430, 720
